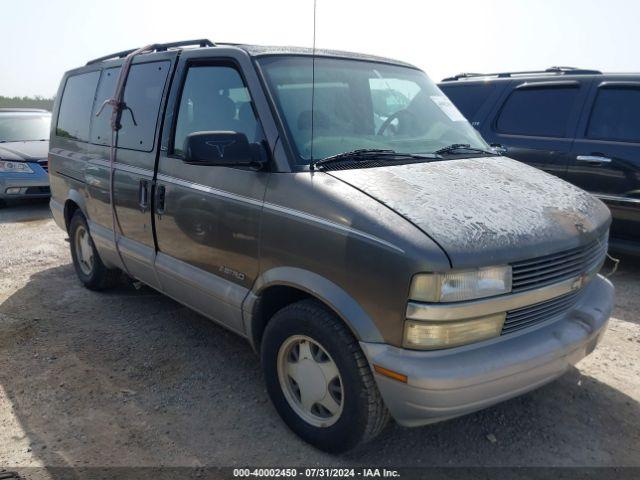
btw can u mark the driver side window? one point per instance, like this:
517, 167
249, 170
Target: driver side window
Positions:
214, 98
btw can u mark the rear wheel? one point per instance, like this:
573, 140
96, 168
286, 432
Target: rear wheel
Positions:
89, 267
319, 379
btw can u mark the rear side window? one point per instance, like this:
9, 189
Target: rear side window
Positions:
101, 128
543, 112
142, 97
468, 98
616, 115
76, 104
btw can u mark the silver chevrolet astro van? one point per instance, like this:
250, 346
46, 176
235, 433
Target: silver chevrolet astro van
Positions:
337, 211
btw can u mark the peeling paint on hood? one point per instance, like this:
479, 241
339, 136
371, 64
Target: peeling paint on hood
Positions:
485, 211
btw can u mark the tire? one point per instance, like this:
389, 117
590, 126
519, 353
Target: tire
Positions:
93, 274
361, 415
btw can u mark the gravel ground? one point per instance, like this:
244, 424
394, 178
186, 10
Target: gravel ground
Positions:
132, 378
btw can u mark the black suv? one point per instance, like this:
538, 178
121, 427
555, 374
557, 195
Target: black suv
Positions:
580, 125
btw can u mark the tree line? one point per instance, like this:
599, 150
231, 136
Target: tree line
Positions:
37, 101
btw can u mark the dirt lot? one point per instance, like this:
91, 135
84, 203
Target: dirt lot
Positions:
132, 378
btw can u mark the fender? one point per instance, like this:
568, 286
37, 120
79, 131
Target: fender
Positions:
59, 211
358, 321
79, 199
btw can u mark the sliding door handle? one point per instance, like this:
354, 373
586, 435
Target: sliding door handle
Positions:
159, 200
593, 159
143, 194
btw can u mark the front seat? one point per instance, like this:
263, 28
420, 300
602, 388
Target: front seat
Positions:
214, 112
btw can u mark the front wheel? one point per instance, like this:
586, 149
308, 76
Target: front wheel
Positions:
89, 267
319, 379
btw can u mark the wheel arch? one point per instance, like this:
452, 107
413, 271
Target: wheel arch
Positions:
282, 286
74, 202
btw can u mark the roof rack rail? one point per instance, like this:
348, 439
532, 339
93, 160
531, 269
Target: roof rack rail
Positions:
556, 70
160, 47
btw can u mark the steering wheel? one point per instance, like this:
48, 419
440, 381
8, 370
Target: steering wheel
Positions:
392, 117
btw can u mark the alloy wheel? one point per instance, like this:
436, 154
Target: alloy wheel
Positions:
310, 381
84, 250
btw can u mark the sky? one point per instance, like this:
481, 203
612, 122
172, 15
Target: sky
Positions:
43, 38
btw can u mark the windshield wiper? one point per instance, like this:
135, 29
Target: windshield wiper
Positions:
451, 149
364, 154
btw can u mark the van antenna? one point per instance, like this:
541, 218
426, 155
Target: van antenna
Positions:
313, 83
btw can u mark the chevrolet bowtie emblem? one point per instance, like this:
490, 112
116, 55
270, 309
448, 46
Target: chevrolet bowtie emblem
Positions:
220, 145
580, 282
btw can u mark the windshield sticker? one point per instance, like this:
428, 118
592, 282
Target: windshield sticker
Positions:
448, 108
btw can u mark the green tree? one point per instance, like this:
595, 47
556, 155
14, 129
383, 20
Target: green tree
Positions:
37, 101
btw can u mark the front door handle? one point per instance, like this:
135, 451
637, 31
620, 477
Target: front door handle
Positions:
160, 196
593, 159
143, 195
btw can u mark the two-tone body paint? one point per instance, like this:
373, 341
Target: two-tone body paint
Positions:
218, 239
225, 235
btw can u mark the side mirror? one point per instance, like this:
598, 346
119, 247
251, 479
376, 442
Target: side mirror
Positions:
223, 149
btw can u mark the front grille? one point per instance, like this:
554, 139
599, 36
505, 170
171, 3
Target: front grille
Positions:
547, 270
554, 268
534, 314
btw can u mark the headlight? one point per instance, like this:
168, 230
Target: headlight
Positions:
14, 167
461, 285
431, 336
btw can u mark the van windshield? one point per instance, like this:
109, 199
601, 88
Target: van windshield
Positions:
362, 105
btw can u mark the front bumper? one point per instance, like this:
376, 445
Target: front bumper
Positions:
448, 383
28, 185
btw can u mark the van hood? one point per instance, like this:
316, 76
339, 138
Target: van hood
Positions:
30, 151
486, 211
